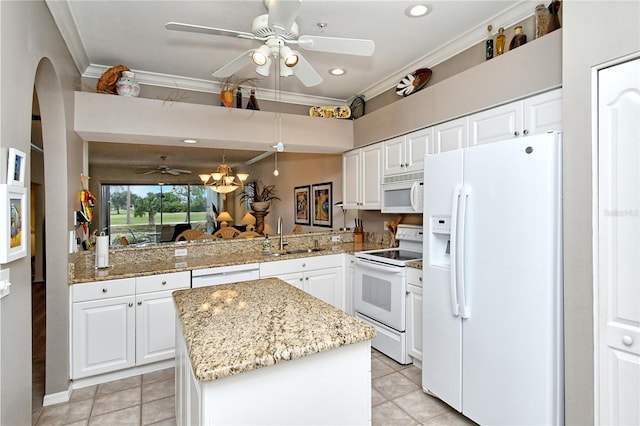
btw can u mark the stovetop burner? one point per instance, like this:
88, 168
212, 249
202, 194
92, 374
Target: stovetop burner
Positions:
398, 255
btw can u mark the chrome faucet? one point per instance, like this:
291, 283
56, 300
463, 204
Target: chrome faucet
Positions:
279, 231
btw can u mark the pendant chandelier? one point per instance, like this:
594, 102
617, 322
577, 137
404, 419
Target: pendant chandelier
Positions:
222, 180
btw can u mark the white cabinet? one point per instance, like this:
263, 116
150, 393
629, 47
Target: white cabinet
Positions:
530, 116
414, 315
103, 332
320, 276
405, 154
349, 270
362, 178
118, 324
451, 135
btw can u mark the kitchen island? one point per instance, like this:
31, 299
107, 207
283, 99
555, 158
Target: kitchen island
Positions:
264, 352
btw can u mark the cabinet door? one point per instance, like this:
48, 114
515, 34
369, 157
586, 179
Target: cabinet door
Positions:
496, 124
394, 158
351, 179
418, 144
414, 322
543, 113
326, 285
103, 337
155, 327
451, 135
296, 279
371, 177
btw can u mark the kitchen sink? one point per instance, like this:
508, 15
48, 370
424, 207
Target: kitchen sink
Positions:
298, 251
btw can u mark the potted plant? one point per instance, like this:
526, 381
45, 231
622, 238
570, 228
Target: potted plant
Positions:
259, 199
229, 85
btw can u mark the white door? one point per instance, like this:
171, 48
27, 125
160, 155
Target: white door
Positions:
451, 135
155, 327
103, 336
371, 177
418, 144
394, 156
351, 183
326, 285
618, 274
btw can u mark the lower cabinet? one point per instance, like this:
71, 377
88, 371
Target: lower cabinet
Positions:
119, 324
320, 276
414, 315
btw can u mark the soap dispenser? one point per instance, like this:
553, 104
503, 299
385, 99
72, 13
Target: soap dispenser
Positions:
266, 245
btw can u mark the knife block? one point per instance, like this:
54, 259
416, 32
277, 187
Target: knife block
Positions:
358, 235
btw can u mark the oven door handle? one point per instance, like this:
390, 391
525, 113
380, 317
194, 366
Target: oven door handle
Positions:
378, 267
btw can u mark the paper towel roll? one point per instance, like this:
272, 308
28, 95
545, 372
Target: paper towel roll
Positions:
102, 251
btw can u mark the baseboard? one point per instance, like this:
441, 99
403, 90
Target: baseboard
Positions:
122, 374
57, 398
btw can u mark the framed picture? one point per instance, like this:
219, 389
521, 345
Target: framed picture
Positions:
16, 167
13, 225
302, 196
322, 196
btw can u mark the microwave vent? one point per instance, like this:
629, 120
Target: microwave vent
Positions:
406, 177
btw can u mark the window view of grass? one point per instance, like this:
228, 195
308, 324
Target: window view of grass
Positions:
148, 213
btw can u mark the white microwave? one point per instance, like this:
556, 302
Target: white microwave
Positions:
403, 197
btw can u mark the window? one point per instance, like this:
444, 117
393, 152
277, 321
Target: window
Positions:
149, 213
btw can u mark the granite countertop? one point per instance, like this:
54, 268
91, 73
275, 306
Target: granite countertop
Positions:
139, 266
416, 264
233, 328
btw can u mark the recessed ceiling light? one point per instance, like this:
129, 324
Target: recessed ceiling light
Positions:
417, 10
337, 71
190, 141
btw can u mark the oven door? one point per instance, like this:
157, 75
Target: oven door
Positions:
380, 292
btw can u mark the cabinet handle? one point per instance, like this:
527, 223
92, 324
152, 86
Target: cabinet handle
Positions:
516, 133
304, 265
627, 340
406, 164
301, 278
104, 290
306, 278
525, 131
420, 279
130, 304
164, 283
140, 303
407, 293
353, 261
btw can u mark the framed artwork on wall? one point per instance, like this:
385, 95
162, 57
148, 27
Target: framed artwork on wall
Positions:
302, 205
322, 196
13, 225
16, 167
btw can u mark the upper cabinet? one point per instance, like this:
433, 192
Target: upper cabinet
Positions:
406, 153
451, 135
531, 116
362, 178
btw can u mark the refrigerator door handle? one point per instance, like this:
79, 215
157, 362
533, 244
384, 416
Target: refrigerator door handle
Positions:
453, 269
462, 219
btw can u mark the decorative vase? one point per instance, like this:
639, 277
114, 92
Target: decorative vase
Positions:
127, 85
226, 97
260, 206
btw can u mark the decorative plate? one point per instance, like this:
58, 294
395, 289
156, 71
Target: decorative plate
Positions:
357, 107
413, 82
330, 111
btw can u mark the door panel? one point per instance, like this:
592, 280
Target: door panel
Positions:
619, 243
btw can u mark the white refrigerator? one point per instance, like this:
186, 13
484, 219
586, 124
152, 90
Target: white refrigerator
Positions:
492, 309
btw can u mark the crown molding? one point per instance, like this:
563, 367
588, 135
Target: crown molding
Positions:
466, 40
66, 24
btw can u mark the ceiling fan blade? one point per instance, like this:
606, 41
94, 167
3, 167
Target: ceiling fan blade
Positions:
234, 66
190, 28
181, 171
345, 46
305, 72
282, 14
150, 172
171, 172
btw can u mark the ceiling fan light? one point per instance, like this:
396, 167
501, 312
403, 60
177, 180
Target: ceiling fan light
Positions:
290, 57
263, 70
284, 70
260, 56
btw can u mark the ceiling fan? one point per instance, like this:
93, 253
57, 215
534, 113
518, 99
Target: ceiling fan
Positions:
278, 30
164, 169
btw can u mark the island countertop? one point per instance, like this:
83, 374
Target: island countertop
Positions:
233, 328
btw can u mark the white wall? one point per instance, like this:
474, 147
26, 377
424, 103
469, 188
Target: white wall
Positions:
33, 53
594, 33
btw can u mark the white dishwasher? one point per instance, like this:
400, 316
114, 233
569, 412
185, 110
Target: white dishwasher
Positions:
224, 275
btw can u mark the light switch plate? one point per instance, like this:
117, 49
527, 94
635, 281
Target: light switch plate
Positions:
181, 252
5, 285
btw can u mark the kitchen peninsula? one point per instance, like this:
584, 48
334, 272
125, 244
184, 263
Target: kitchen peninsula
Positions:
265, 352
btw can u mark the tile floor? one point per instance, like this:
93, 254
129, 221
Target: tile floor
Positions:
396, 398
